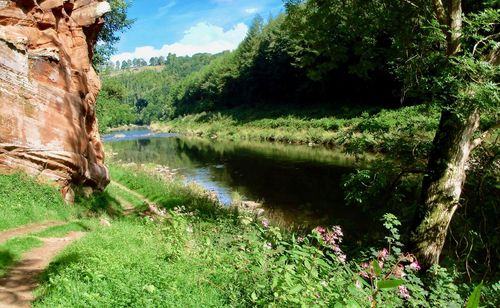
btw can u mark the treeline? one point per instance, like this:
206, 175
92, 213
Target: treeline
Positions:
375, 53
139, 97
111, 66
319, 52
371, 53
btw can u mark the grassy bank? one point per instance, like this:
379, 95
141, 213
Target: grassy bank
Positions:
203, 254
24, 201
207, 255
372, 130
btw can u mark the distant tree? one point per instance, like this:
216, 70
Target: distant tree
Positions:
125, 65
115, 22
248, 48
161, 60
171, 58
110, 66
140, 104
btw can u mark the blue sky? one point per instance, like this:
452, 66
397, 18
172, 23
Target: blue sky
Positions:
189, 26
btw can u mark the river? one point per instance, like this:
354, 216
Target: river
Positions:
299, 186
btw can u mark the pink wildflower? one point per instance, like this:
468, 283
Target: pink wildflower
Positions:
329, 238
320, 230
364, 274
342, 257
403, 292
338, 231
365, 265
415, 266
300, 239
383, 254
265, 223
336, 248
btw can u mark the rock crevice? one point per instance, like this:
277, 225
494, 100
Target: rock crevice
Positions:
48, 90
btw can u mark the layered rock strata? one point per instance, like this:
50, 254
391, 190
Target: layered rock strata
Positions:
48, 91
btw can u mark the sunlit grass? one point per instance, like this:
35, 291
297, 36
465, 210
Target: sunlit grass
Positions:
24, 201
372, 130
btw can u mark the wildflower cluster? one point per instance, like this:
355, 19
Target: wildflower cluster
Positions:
393, 270
332, 239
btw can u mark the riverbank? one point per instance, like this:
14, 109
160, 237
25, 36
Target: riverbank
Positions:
356, 130
124, 128
203, 253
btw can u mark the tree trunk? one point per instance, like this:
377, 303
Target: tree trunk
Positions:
442, 185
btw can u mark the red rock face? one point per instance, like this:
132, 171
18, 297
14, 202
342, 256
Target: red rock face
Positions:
48, 90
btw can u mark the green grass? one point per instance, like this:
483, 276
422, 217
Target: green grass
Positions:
133, 264
168, 195
356, 129
116, 192
11, 251
62, 230
24, 201
100, 203
203, 255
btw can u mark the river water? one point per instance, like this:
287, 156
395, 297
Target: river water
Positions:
299, 186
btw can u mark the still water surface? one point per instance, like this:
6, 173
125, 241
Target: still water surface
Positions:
298, 185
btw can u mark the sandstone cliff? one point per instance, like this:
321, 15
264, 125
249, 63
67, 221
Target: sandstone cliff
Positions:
48, 90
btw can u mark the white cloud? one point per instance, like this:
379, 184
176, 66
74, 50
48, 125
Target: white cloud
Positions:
202, 37
251, 10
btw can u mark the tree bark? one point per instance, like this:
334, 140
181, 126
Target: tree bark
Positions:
442, 185
455, 26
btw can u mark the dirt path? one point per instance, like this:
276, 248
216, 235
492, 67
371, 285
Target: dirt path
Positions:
128, 208
24, 230
153, 208
16, 289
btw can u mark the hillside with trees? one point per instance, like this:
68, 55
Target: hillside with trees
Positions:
138, 97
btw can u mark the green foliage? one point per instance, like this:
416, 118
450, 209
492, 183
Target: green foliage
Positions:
130, 264
115, 22
332, 35
258, 72
473, 301
343, 127
463, 81
61, 230
443, 291
217, 257
111, 112
24, 201
168, 195
140, 97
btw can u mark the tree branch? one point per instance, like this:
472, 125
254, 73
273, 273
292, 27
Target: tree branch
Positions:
476, 142
489, 37
440, 13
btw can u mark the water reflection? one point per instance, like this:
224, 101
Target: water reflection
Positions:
299, 184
